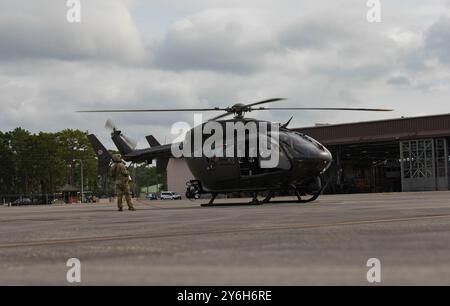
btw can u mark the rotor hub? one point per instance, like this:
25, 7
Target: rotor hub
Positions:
239, 109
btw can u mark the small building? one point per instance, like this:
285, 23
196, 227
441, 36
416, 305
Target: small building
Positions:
69, 193
178, 174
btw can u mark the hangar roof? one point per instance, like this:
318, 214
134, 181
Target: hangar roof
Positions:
381, 130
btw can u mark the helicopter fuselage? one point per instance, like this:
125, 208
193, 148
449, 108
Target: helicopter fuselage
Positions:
301, 160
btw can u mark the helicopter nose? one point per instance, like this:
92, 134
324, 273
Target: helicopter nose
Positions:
316, 160
325, 159
312, 157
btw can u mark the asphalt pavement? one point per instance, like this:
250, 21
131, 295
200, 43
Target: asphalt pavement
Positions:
327, 242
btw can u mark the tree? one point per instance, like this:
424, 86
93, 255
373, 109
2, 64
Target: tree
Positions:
146, 175
42, 163
7, 166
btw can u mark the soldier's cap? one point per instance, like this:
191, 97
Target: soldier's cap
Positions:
117, 158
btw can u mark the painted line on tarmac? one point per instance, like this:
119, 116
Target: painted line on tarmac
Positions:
56, 242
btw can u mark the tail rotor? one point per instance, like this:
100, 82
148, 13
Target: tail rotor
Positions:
123, 143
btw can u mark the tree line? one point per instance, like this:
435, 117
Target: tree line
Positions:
44, 162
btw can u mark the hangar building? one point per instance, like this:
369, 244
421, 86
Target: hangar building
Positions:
406, 154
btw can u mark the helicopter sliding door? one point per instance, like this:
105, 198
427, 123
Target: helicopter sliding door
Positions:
251, 165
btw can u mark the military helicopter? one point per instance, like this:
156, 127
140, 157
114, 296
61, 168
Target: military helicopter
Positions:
301, 160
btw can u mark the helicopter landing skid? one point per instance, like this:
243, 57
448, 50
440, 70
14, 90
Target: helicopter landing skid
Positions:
299, 198
253, 202
267, 199
229, 204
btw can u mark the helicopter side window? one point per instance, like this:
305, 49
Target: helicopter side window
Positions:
252, 165
283, 164
295, 144
283, 160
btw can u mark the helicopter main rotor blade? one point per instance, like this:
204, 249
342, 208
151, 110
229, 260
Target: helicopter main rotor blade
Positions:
175, 109
266, 101
326, 109
153, 110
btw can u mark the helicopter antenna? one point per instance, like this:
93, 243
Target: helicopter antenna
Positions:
287, 123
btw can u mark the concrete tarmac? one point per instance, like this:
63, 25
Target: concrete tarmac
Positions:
327, 242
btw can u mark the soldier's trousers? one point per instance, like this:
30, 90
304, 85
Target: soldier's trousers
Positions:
123, 190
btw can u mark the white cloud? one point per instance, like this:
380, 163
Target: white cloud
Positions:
437, 40
216, 53
31, 29
232, 40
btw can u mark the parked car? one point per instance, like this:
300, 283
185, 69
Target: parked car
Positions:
22, 201
170, 195
152, 196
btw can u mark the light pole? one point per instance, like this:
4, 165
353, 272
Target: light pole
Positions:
82, 183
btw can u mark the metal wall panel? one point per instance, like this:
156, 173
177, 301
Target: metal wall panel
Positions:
418, 165
385, 130
441, 149
424, 164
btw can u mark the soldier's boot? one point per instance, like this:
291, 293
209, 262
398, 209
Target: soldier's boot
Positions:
129, 203
119, 203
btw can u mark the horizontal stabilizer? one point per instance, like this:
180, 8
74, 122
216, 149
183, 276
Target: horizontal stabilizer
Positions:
103, 155
152, 141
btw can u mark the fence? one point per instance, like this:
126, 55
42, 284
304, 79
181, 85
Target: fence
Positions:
34, 199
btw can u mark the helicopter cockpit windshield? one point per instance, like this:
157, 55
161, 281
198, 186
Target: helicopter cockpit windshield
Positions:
300, 146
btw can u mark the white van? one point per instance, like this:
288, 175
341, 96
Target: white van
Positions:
170, 195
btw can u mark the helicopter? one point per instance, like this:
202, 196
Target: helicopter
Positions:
300, 160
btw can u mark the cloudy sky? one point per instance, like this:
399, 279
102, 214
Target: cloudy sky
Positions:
198, 53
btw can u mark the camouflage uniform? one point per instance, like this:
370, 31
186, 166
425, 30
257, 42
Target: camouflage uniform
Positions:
122, 177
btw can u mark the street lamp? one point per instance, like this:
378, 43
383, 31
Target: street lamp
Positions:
82, 183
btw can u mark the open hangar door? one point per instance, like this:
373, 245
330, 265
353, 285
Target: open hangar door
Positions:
365, 167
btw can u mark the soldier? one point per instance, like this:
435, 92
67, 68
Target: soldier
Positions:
122, 177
